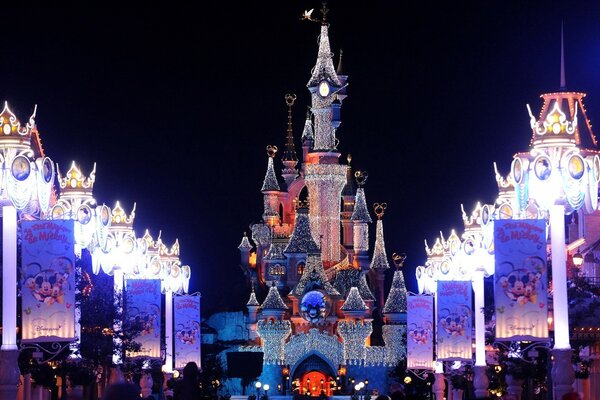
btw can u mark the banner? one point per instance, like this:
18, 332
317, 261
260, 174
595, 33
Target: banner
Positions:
142, 310
187, 330
419, 341
47, 280
520, 280
454, 321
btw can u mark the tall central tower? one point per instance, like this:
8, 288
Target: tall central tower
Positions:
325, 177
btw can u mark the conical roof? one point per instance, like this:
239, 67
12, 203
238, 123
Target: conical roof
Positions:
345, 279
379, 260
361, 212
245, 243
396, 300
252, 301
273, 300
308, 132
314, 278
324, 68
301, 240
354, 302
270, 183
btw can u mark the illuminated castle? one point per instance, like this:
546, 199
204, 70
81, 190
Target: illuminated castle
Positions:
310, 256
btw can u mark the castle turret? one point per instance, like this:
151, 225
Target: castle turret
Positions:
245, 247
394, 309
379, 263
348, 199
290, 159
360, 218
252, 306
394, 312
300, 244
273, 306
270, 190
354, 306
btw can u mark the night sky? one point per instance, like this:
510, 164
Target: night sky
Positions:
176, 105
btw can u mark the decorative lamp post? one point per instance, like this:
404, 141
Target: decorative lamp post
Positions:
162, 262
257, 385
477, 256
266, 388
26, 179
561, 178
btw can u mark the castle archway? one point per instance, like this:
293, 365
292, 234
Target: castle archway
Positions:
313, 375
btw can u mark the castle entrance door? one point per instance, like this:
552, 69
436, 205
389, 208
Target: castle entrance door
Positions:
313, 377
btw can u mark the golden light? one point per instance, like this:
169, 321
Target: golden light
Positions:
407, 380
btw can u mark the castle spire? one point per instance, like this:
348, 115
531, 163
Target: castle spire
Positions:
379, 256
361, 212
396, 300
270, 182
273, 301
301, 240
289, 159
324, 69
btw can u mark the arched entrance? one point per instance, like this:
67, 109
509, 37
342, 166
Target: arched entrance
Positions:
314, 376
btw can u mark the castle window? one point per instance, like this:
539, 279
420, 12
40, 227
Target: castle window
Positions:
276, 269
300, 269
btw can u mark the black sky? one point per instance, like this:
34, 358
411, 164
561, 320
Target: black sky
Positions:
176, 104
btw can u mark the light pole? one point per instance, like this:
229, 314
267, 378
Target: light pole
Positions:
257, 385
561, 178
477, 255
266, 389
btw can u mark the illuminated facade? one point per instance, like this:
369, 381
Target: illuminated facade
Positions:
311, 253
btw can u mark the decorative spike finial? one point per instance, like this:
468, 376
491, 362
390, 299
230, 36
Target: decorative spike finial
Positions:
399, 259
324, 11
563, 84
379, 209
290, 151
271, 151
361, 177
349, 158
339, 67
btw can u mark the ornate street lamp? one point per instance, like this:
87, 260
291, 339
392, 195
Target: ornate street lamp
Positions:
561, 178
26, 178
477, 256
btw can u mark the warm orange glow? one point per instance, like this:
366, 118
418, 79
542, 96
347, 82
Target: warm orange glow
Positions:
342, 371
252, 259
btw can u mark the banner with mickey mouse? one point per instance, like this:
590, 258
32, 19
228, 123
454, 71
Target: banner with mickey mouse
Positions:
454, 316
143, 310
187, 330
47, 280
520, 280
419, 341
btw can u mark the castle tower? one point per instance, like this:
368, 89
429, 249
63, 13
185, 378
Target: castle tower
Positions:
324, 177
300, 244
394, 312
379, 263
245, 247
252, 306
360, 218
348, 199
270, 190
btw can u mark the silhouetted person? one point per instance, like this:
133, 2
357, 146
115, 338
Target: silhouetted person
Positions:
122, 391
188, 388
382, 397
